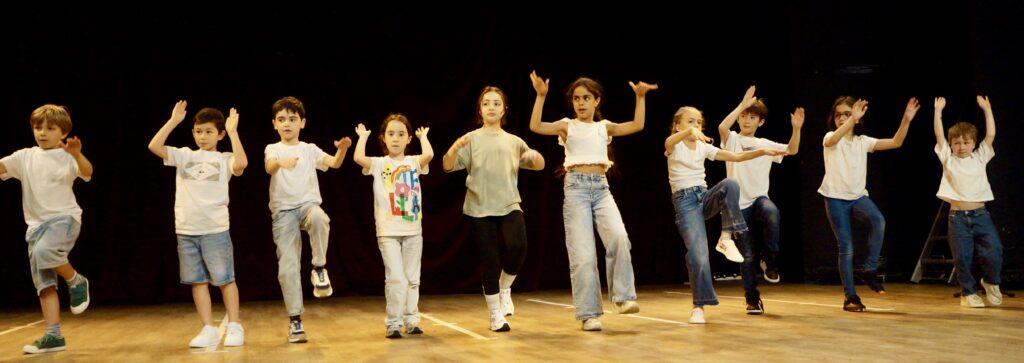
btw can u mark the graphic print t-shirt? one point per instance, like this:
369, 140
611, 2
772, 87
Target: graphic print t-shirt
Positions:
398, 197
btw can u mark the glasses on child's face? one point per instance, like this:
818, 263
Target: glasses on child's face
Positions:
843, 115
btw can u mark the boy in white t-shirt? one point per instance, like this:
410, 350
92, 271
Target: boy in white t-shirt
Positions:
965, 187
752, 177
54, 218
205, 251
398, 213
295, 205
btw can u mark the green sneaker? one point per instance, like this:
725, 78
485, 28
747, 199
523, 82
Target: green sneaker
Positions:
79, 296
48, 343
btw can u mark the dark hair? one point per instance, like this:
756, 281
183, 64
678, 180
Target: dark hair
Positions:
844, 100
964, 129
480, 99
593, 87
210, 115
394, 116
291, 104
758, 108
51, 114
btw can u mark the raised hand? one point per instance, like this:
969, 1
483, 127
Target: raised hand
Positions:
642, 88
422, 132
178, 113
460, 143
344, 143
940, 103
984, 103
859, 109
911, 111
73, 146
797, 118
231, 124
700, 135
362, 131
748, 98
288, 163
539, 84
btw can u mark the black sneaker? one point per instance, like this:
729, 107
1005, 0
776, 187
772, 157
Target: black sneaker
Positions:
393, 333
754, 304
870, 278
853, 304
771, 274
415, 329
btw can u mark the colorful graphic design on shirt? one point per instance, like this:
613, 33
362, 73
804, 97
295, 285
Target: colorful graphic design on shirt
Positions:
209, 171
403, 185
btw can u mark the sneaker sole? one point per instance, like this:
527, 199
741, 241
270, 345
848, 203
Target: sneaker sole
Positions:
322, 293
239, 344
504, 328
28, 349
297, 339
632, 310
84, 305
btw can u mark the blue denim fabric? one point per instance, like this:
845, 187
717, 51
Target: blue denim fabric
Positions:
863, 209
972, 230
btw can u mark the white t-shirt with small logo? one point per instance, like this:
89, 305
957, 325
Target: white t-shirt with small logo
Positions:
200, 190
291, 188
752, 175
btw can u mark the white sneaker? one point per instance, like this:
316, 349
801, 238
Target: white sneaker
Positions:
208, 337
628, 307
972, 300
236, 335
321, 283
992, 293
592, 324
506, 302
728, 248
697, 316
498, 322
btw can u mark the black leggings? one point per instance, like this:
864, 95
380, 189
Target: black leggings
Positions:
494, 254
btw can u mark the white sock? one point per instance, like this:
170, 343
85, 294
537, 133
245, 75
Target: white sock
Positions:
505, 281
493, 304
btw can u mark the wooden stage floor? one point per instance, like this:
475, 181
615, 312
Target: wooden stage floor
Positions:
802, 323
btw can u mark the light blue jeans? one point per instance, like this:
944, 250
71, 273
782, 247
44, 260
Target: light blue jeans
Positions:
589, 203
287, 224
693, 206
401, 255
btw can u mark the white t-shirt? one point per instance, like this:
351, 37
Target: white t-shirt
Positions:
846, 167
291, 188
397, 195
46, 178
964, 179
752, 175
686, 167
200, 190
586, 143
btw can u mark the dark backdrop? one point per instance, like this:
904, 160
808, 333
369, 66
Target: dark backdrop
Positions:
120, 68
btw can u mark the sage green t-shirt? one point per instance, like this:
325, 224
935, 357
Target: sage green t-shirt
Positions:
492, 161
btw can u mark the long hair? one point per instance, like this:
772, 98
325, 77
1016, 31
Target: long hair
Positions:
480, 99
593, 87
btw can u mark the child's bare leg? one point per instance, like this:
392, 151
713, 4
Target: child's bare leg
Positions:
65, 271
229, 292
50, 305
201, 296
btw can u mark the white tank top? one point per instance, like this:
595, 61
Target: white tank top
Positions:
586, 143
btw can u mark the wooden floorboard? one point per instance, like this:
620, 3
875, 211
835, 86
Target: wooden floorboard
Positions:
803, 323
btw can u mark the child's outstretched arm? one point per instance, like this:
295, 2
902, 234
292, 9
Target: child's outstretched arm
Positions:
730, 119
335, 161
240, 160
797, 120
449, 158
679, 136
544, 128
360, 154
725, 155
940, 138
157, 144
859, 109
990, 121
639, 114
428, 151
74, 147
901, 133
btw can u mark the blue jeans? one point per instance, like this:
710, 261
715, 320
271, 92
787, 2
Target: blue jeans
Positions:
693, 206
206, 258
589, 203
401, 255
839, 213
287, 224
48, 247
766, 214
970, 229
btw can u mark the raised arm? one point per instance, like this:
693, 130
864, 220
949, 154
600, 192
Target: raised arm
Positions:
797, 120
428, 151
901, 133
639, 113
360, 154
231, 126
730, 119
990, 120
544, 128
74, 147
725, 155
679, 136
940, 137
157, 144
859, 109
335, 161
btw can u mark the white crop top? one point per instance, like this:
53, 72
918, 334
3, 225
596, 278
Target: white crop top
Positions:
586, 143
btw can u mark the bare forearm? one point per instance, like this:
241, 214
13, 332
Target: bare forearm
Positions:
538, 110
339, 157
84, 166
990, 127
794, 142
428, 151
360, 154
272, 166
241, 161
940, 138
841, 132
158, 144
671, 141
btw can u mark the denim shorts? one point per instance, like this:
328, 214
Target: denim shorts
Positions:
48, 247
207, 258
